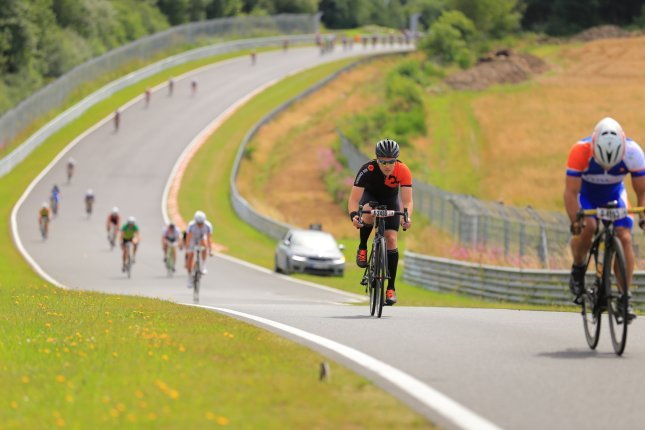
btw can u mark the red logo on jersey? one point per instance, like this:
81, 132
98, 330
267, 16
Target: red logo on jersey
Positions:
370, 167
391, 182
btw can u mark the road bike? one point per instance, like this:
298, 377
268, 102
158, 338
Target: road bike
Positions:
43, 224
171, 255
53, 203
376, 273
128, 258
197, 272
111, 237
608, 293
89, 203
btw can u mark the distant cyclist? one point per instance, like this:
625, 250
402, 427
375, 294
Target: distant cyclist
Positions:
117, 120
387, 181
193, 86
113, 224
171, 86
130, 233
148, 96
54, 199
44, 215
198, 233
89, 201
596, 168
171, 237
70, 169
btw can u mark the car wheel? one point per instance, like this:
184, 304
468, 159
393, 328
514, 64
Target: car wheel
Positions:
276, 267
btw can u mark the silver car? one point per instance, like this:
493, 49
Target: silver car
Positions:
309, 251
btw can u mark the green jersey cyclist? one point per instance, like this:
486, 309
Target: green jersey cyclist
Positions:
130, 233
388, 181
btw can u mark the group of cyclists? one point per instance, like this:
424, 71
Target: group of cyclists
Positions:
198, 233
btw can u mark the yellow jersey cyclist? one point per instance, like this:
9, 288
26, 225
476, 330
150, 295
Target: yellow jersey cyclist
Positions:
388, 181
44, 215
198, 233
596, 169
130, 233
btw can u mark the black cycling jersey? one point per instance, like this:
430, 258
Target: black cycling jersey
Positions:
378, 185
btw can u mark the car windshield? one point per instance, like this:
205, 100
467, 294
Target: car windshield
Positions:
314, 240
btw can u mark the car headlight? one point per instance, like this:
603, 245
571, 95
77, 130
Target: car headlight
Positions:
339, 260
298, 258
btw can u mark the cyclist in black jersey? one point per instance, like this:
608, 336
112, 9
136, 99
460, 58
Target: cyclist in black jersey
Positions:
388, 181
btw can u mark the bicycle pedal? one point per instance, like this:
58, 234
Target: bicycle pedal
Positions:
364, 281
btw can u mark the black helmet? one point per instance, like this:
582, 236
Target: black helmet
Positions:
387, 148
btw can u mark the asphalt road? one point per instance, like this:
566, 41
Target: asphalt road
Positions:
516, 369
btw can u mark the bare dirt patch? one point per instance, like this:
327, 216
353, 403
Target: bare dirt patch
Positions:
503, 66
601, 32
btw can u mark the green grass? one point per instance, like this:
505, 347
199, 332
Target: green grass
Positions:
205, 187
72, 359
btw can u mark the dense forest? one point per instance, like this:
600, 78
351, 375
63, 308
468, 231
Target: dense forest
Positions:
42, 39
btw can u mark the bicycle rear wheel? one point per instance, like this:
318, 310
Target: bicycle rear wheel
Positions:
591, 313
616, 308
381, 275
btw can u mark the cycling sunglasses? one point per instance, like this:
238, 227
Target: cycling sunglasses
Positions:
386, 162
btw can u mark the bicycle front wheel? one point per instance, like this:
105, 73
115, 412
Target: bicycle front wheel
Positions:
371, 279
615, 286
196, 279
591, 313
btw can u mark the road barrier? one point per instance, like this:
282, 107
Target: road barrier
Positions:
535, 286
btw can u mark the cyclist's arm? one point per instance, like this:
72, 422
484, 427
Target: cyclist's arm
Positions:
209, 243
355, 198
353, 202
571, 190
406, 200
189, 236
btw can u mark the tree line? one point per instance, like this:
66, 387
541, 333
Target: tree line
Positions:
42, 39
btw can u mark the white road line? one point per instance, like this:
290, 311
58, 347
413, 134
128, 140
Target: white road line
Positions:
454, 412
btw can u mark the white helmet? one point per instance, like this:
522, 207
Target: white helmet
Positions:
200, 217
45, 205
90, 192
608, 141
132, 220
71, 161
115, 210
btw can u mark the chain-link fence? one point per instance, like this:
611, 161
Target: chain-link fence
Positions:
512, 232
54, 94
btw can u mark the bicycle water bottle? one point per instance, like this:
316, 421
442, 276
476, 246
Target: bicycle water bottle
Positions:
601, 258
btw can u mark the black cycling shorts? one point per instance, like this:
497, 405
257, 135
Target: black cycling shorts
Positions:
392, 203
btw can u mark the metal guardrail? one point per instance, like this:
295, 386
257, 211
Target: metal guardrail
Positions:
535, 286
54, 94
245, 211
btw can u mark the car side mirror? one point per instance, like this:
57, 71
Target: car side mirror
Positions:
341, 247
286, 242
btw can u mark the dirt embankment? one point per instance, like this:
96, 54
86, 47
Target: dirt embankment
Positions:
504, 66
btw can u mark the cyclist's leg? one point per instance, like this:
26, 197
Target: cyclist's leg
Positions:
581, 244
365, 231
164, 248
624, 234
